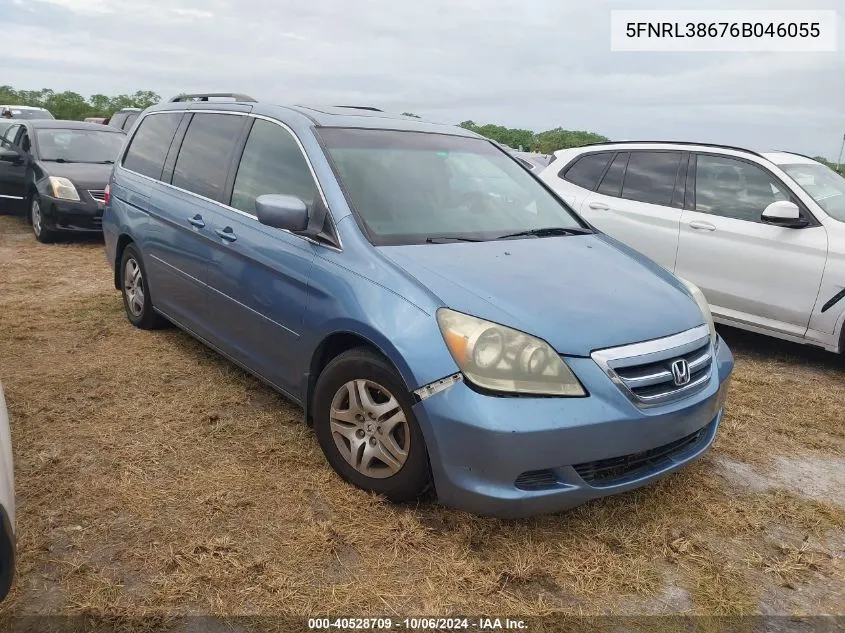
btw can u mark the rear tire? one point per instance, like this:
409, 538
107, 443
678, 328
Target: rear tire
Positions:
366, 427
36, 219
137, 301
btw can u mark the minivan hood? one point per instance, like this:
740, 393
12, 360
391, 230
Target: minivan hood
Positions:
578, 293
83, 175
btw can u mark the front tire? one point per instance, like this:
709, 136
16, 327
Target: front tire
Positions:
36, 219
367, 429
137, 301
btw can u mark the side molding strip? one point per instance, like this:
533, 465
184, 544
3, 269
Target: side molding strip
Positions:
834, 300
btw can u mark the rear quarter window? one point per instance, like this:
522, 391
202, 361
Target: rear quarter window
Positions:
148, 147
130, 119
611, 184
586, 171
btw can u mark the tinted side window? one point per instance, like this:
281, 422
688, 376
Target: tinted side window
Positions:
7, 149
12, 132
203, 161
117, 120
650, 177
130, 119
271, 163
149, 146
733, 188
587, 170
611, 184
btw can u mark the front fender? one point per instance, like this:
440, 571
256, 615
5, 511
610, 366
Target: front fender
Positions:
408, 337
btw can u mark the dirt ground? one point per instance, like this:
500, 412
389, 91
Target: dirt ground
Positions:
155, 478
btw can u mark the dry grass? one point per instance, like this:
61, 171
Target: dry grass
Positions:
156, 479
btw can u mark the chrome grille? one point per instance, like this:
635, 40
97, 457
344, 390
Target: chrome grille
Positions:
98, 194
644, 371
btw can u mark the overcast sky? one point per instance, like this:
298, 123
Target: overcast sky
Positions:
535, 64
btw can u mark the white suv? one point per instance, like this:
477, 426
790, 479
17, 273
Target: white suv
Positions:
762, 235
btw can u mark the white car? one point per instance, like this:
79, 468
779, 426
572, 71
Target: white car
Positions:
531, 160
762, 235
25, 112
7, 503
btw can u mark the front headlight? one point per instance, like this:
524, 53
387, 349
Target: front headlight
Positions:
703, 306
498, 358
63, 189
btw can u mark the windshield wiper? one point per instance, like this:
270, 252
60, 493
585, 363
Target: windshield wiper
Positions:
56, 160
549, 231
446, 238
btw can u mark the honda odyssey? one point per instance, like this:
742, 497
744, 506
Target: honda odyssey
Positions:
444, 320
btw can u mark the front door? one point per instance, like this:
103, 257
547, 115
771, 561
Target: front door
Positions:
750, 272
13, 165
258, 276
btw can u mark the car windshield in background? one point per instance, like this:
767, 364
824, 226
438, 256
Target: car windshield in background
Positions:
413, 187
31, 114
823, 184
78, 146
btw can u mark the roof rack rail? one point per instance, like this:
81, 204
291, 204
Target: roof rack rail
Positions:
205, 96
786, 151
353, 107
738, 149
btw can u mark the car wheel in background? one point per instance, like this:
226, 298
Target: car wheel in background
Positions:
136, 296
36, 219
366, 428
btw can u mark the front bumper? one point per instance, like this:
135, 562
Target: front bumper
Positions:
7, 553
480, 446
85, 216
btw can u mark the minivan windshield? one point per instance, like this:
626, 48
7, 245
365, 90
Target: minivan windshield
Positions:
414, 187
78, 146
822, 184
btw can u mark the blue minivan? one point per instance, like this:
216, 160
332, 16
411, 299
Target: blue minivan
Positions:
444, 320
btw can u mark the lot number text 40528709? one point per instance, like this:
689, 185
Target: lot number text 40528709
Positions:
418, 624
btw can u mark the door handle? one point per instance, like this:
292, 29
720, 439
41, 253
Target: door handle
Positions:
702, 226
196, 221
599, 206
227, 234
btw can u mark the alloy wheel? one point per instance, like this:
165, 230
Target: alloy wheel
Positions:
369, 428
133, 287
36, 218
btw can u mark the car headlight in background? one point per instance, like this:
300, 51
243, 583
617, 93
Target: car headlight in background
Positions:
499, 358
696, 293
63, 189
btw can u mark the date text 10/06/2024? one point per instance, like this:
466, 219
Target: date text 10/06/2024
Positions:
417, 624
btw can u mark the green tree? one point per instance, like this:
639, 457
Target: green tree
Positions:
840, 169
73, 106
100, 103
67, 105
543, 142
558, 138
512, 137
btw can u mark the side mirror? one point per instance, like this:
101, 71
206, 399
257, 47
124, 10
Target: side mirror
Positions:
282, 212
784, 213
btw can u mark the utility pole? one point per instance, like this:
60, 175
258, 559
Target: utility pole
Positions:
839, 162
